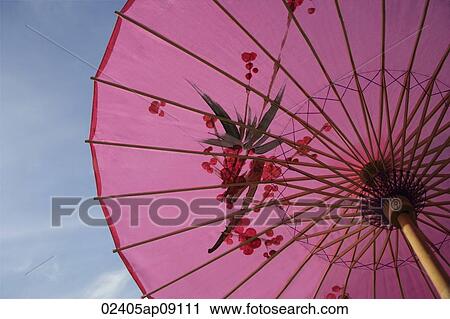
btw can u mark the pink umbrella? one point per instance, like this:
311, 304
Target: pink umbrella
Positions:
263, 149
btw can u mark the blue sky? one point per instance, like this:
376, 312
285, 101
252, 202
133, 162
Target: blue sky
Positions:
46, 99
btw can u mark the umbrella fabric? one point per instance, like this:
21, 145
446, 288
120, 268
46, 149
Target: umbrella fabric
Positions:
355, 85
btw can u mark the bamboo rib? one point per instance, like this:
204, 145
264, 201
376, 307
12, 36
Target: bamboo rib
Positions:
206, 187
395, 261
408, 72
422, 96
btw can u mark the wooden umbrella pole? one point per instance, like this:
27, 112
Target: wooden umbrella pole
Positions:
401, 214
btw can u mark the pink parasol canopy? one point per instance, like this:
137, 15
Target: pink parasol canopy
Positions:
244, 149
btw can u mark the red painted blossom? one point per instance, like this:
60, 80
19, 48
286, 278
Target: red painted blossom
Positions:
248, 250
239, 230
256, 243
205, 165
336, 288
244, 221
209, 121
293, 4
208, 149
326, 127
305, 140
270, 171
229, 239
154, 108
311, 10
250, 232
246, 57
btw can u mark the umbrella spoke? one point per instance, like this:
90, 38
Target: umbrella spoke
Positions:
376, 234
384, 245
438, 192
436, 214
382, 77
347, 277
331, 83
345, 236
437, 227
419, 130
303, 263
263, 264
432, 162
440, 178
353, 245
307, 258
406, 83
436, 131
268, 260
422, 96
367, 117
431, 151
197, 188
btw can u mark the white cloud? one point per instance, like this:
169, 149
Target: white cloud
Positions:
108, 285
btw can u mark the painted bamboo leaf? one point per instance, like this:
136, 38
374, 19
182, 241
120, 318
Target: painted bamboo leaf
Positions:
269, 115
230, 139
229, 128
267, 147
262, 140
217, 142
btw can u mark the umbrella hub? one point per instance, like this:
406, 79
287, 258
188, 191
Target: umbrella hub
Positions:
387, 194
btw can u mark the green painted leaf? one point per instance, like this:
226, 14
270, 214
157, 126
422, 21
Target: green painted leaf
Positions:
269, 115
267, 147
229, 128
241, 121
217, 142
261, 140
230, 139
